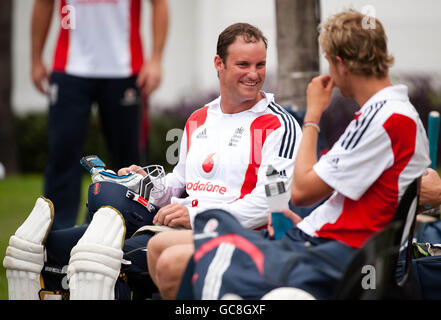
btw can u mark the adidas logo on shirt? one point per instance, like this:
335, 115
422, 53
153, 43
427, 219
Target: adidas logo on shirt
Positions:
202, 134
283, 175
334, 162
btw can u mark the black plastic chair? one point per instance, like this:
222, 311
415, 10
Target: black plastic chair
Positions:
382, 252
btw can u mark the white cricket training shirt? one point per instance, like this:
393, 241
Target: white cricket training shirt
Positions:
223, 159
99, 38
380, 153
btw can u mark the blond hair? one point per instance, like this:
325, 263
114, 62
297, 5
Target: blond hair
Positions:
363, 49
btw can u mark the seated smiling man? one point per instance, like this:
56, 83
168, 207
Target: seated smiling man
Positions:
225, 149
365, 173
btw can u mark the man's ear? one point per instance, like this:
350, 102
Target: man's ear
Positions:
340, 65
218, 63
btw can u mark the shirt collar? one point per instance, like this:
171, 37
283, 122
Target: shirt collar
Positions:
257, 108
396, 92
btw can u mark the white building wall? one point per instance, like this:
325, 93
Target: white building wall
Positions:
414, 30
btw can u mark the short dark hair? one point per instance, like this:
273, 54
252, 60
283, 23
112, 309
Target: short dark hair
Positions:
248, 32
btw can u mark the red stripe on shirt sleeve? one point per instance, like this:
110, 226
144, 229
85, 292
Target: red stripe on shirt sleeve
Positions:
196, 119
136, 50
62, 48
260, 128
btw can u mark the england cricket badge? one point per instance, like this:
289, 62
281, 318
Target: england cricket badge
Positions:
211, 225
130, 97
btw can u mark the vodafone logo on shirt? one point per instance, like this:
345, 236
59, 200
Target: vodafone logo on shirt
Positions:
208, 163
208, 166
205, 186
207, 169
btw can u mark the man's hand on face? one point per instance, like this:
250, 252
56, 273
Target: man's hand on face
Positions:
318, 96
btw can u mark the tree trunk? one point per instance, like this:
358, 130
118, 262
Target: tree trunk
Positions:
297, 49
8, 147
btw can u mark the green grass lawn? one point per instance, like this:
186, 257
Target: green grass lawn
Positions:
17, 198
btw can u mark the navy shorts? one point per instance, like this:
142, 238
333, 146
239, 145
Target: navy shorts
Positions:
232, 259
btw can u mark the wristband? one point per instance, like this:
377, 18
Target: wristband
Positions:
311, 124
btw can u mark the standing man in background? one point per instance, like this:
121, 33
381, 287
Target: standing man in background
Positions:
98, 58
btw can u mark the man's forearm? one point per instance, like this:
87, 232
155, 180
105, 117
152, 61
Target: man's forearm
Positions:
307, 186
305, 160
307, 154
159, 28
41, 20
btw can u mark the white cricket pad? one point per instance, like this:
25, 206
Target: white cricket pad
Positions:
24, 257
287, 293
95, 261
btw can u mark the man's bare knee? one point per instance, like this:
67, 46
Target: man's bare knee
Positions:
170, 267
153, 252
161, 242
154, 247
